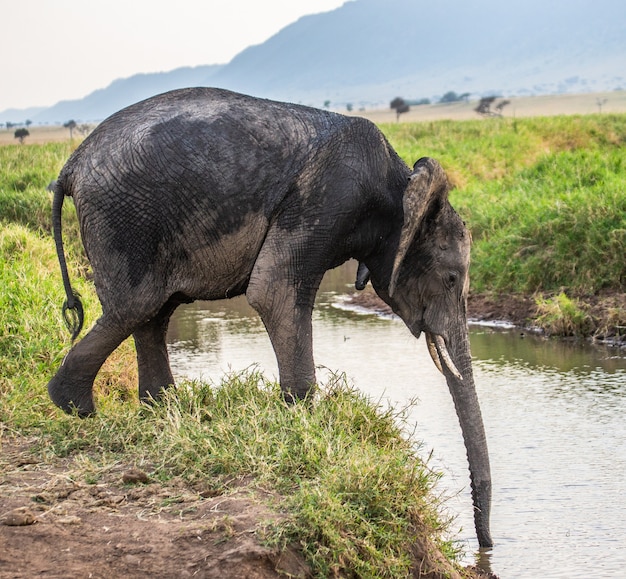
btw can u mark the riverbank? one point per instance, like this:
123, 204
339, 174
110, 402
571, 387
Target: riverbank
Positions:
57, 519
217, 476
218, 482
594, 318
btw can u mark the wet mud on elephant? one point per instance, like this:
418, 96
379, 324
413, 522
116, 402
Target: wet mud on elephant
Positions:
208, 194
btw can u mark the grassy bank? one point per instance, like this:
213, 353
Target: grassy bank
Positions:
346, 490
546, 203
544, 198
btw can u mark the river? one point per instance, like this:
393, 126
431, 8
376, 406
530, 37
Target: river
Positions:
553, 411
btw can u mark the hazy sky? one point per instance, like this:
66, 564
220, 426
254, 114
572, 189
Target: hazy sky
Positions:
52, 50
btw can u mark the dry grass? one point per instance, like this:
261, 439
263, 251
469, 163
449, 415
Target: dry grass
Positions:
535, 106
38, 135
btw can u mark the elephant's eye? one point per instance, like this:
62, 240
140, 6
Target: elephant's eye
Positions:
452, 278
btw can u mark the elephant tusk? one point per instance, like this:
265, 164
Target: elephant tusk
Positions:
444, 355
432, 350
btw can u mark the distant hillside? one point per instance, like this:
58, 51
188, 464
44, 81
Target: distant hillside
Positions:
368, 51
121, 93
20, 115
373, 50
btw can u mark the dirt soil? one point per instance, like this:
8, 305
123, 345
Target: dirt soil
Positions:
54, 523
517, 310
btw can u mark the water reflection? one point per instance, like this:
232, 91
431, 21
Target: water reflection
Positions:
558, 452
553, 413
517, 346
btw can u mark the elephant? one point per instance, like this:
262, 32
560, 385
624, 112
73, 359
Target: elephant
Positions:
205, 194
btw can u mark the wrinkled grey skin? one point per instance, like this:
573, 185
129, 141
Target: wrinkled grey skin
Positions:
207, 194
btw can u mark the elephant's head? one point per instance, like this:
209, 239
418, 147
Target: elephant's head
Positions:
426, 284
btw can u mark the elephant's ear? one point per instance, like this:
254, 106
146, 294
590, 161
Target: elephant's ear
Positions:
428, 183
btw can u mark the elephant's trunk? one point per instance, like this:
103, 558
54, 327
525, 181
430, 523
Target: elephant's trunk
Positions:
470, 418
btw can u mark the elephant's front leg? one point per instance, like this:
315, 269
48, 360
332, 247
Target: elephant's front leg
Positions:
285, 306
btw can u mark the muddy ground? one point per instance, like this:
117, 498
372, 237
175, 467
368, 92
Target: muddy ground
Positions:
55, 522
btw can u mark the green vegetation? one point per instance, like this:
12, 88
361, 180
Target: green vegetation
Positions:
355, 495
31, 333
563, 316
545, 201
543, 197
26, 173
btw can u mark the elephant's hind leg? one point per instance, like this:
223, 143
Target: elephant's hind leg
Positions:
153, 363
71, 388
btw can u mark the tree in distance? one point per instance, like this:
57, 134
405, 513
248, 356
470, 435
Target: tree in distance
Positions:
400, 106
84, 129
21, 134
71, 125
452, 97
484, 107
501, 105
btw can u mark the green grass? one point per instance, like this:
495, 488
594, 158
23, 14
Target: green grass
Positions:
26, 172
560, 223
544, 198
33, 338
562, 316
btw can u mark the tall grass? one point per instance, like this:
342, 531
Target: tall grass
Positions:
560, 223
544, 198
26, 172
33, 338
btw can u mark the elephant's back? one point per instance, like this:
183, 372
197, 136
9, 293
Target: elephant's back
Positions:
187, 121
184, 178
217, 140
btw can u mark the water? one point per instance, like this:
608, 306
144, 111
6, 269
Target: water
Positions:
554, 414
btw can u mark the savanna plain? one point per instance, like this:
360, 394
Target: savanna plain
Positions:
223, 479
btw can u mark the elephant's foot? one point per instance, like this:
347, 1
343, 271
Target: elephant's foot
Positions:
151, 394
71, 397
293, 396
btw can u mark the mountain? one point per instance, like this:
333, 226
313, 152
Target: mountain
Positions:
373, 50
20, 115
368, 51
121, 93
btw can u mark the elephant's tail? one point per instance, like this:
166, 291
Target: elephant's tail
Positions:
72, 307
